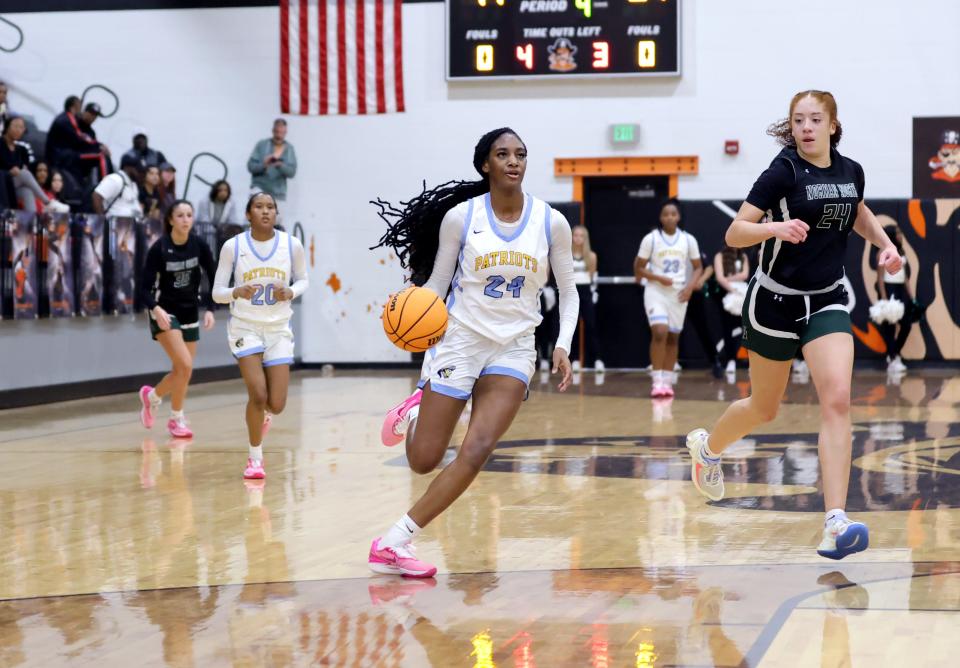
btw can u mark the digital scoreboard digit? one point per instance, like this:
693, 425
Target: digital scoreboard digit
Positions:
562, 38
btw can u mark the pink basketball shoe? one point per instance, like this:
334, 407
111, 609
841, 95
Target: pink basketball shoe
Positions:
254, 470
398, 561
267, 423
395, 424
146, 408
178, 428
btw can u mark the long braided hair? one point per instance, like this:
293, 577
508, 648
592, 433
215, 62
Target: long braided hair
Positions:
413, 227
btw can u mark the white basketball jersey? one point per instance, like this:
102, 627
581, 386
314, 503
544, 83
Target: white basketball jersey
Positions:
265, 273
668, 259
496, 288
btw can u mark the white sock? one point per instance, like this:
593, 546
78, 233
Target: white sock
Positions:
256, 452
657, 376
401, 533
834, 515
176, 415
155, 400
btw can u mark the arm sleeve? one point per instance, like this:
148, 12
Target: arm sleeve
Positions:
255, 163
288, 162
646, 247
222, 292
445, 263
206, 262
299, 264
693, 248
561, 264
152, 268
775, 182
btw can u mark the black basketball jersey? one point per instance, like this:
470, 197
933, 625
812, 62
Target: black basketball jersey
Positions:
172, 277
826, 199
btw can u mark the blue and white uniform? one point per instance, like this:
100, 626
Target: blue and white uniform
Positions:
668, 255
492, 273
261, 324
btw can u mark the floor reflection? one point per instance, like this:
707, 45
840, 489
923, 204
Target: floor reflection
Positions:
580, 545
638, 617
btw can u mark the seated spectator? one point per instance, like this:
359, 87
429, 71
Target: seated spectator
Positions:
219, 207
117, 194
150, 190
147, 156
71, 149
54, 189
41, 172
7, 198
15, 160
168, 185
4, 109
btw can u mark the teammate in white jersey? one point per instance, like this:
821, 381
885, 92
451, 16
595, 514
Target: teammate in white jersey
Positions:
268, 271
490, 246
662, 260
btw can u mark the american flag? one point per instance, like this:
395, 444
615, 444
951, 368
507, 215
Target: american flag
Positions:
341, 56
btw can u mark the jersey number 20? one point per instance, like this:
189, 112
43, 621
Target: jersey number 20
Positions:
264, 294
492, 288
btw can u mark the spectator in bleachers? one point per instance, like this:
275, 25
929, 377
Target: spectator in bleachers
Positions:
117, 194
7, 198
88, 117
147, 156
168, 185
54, 189
219, 207
41, 172
271, 163
15, 160
150, 189
4, 109
71, 149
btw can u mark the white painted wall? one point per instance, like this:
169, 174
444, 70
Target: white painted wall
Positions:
208, 80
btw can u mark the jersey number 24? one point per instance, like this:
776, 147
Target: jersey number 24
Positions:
492, 288
835, 212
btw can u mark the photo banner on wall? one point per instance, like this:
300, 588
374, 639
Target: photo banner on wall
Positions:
936, 157
57, 275
123, 254
21, 296
90, 253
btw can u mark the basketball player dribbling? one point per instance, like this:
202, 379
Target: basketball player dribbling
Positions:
268, 269
490, 246
813, 197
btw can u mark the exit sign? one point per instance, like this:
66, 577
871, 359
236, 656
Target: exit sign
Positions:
625, 133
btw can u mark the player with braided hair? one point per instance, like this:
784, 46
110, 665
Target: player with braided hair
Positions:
487, 247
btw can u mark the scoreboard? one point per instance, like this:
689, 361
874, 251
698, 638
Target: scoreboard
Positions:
562, 38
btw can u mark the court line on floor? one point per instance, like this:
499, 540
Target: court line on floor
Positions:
772, 629
373, 577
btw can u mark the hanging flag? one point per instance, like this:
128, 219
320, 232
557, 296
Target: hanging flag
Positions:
341, 56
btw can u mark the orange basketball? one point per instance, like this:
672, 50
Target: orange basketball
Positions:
415, 319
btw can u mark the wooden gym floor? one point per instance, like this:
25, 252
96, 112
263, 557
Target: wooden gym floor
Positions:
582, 544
